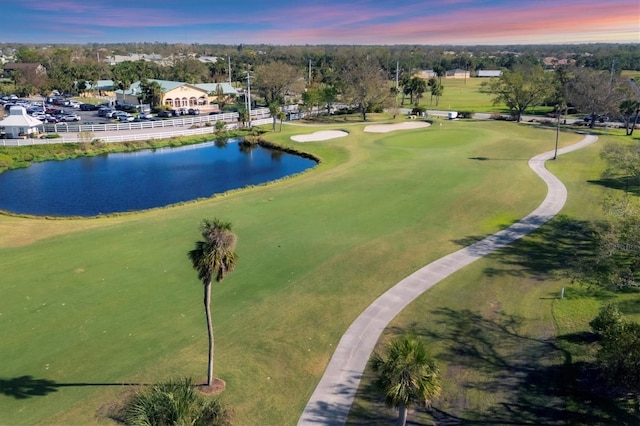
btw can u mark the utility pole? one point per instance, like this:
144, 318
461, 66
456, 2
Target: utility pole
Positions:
555, 153
613, 64
249, 97
229, 67
309, 72
397, 75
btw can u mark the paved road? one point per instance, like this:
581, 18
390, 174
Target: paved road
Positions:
331, 401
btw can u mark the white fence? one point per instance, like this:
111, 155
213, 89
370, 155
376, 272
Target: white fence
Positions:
130, 136
197, 120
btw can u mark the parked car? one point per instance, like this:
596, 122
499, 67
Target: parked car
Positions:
193, 111
166, 114
599, 118
103, 111
50, 119
70, 117
88, 107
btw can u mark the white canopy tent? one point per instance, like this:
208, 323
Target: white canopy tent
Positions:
18, 123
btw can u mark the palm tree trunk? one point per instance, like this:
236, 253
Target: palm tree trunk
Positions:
402, 417
635, 121
207, 310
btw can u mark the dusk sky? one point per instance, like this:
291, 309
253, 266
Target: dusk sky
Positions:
284, 22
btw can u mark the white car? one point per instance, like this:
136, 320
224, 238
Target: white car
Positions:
70, 117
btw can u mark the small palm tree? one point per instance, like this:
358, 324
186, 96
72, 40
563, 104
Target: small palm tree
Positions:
274, 109
281, 115
213, 257
407, 375
174, 403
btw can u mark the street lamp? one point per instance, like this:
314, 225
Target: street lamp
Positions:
555, 154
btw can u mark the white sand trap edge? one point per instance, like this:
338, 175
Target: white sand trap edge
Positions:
384, 128
322, 135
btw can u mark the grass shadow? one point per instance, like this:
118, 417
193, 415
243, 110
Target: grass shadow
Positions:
497, 374
25, 387
627, 184
553, 250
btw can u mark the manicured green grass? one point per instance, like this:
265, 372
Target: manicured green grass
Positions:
90, 304
460, 95
511, 350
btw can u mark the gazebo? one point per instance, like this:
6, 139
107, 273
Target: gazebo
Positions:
19, 124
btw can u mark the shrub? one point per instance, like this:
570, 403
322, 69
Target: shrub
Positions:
174, 403
250, 140
85, 136
5, 162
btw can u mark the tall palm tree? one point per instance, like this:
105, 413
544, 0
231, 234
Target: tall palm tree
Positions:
419, 87
407, 375
436, 90
274, 108
213, 258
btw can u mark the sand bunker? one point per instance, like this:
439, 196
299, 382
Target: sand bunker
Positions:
320, 136
384, 128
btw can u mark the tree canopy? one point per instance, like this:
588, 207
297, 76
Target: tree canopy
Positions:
618, 355
520, 88
365, 85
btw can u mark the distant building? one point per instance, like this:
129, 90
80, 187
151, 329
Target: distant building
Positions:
551, 62
208, 59
457, 73
177, 94
28, 69
488, 73
426, 74
19, 124
101, 88
133, 57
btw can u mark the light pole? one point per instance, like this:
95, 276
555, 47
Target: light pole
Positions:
249, 97
555, 153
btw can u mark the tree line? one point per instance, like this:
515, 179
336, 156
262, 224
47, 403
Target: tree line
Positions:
69, 64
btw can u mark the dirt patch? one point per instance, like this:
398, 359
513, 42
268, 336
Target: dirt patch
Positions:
217, 387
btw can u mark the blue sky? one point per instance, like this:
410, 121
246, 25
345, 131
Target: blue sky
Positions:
284, 22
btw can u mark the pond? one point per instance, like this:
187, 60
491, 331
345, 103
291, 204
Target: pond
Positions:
141, 180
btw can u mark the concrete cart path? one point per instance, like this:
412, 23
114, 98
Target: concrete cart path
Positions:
332, 398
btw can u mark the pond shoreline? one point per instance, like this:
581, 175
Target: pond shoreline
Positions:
73, 151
